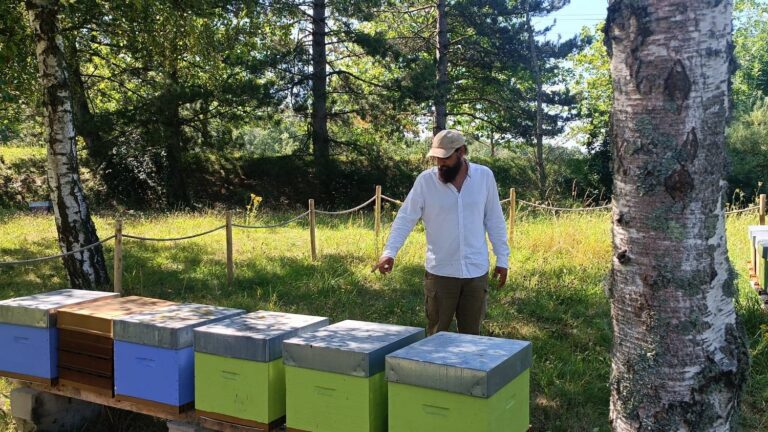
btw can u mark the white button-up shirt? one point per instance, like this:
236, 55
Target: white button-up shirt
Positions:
455, 222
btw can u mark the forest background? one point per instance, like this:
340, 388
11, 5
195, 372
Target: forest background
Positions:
200, 103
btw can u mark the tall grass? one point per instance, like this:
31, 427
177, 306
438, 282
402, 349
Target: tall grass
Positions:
554, 296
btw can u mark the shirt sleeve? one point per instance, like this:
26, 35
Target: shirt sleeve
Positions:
494, 223
407, 217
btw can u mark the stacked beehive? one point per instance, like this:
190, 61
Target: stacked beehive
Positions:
334, 377
455, 382
154, 354
758, 238
28, 334
239, 373
86, 340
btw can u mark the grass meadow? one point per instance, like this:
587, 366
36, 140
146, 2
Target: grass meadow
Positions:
554, 296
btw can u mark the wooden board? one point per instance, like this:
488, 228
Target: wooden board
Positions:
224, 423
85, 363
140, 407
97, 318
85, 343
28, 378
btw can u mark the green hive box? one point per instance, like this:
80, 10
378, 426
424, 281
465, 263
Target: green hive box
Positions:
239, 372
755, 233
762, 260
334, 377
455, 382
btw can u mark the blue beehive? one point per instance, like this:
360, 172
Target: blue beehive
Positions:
28, 333
154, 354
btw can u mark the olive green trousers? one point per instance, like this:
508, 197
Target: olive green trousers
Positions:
446, 297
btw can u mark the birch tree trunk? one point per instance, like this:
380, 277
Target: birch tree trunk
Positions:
320, 140
679, 360
75, 228
441, 91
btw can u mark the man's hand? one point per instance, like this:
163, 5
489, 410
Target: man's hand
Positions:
501, 274
385, 265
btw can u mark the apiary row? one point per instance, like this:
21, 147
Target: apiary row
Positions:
264, 369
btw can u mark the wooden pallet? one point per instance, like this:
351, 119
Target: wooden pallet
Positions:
186, 414
224, 426
97, 397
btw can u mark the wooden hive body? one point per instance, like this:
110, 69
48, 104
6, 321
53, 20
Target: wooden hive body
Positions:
86, 344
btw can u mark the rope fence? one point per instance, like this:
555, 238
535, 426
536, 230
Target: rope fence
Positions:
311, 214
62, 255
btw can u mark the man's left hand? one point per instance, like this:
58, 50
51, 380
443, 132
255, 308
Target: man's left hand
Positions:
500, 273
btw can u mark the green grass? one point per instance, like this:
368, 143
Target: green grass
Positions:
12, 154
554, 296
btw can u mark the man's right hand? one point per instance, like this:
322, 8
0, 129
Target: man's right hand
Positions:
384, 265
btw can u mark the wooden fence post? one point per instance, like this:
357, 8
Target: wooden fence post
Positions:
118, 259
762, 209
312, 244
512, 210
377, 220
230, 258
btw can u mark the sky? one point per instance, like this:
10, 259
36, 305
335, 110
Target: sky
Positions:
573, 17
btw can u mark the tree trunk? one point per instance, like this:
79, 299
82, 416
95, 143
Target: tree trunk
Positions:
541, 172
177, 191
441, 90
493, 146
320, 140
86, 269
83, 117
680, 358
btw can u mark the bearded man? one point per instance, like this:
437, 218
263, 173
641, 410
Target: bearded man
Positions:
459, 203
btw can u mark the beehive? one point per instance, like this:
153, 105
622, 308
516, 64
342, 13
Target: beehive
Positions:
756, 232
154, 355
86, 345
334, 377
455, 382
29, 339
239, 373
762, 260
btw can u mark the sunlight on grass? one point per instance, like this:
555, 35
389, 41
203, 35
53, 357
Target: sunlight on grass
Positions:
554, 296
13, 154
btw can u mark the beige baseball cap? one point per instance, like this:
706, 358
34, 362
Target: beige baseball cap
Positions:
445, 143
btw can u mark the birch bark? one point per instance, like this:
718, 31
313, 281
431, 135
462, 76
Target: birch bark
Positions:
75, 228
679, 359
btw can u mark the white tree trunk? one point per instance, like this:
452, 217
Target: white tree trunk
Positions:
679, 354
73, 220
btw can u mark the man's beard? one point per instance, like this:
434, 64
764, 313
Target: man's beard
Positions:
448, 173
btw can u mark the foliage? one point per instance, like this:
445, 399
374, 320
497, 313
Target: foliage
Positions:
747, 144
750, 37
590, 81
554, 295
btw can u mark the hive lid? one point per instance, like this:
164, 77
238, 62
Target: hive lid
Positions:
171, 326
755, 231
349, 347
97, 317
39, 310
257, 336
459, 363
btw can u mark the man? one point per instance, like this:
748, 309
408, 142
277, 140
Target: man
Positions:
459, 203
